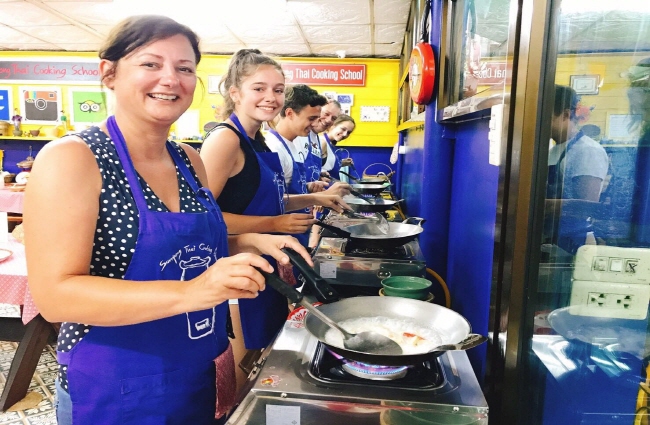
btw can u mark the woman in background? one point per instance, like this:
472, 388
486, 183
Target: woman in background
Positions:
340, 130
135, 261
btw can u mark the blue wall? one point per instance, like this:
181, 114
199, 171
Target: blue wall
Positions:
363, 157
18, 150
446, 179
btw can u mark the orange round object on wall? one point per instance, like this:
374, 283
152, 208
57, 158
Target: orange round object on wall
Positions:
422, 73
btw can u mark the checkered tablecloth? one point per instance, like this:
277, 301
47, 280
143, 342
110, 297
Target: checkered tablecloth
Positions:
13, 280
11, 201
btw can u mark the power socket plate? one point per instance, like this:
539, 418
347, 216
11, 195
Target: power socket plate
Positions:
610, 299
602, 263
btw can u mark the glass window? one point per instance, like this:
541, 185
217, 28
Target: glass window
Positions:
478, 66
590, 345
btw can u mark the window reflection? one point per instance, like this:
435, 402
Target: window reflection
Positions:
591, 333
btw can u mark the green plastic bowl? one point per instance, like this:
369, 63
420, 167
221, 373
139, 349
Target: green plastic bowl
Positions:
406, 287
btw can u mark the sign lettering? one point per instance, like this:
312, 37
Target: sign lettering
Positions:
325, 74
19, 70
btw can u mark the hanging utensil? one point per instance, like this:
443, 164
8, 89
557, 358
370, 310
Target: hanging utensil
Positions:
363, 342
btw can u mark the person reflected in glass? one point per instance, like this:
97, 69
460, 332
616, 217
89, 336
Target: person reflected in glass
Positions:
577, 167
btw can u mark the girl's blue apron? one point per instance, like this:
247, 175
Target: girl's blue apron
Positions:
334, 172
313, 162
264, 316
297, 185
161, 371
574, 221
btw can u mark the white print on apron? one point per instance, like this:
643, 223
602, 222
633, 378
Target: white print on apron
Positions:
278, 179
199, 323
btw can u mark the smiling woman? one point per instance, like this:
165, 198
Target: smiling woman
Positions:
135, 265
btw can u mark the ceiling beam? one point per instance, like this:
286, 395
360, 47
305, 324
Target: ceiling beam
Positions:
45, 7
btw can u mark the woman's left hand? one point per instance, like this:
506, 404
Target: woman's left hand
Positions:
272, 245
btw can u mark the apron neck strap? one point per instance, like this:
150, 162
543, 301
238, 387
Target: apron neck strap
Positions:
276, 134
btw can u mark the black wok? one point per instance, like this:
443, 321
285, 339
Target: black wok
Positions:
452, 327
367, 235
372, 205
370, 189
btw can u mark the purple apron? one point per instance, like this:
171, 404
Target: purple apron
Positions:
297, 185
263, 317
334, 172
161, 371
313, 162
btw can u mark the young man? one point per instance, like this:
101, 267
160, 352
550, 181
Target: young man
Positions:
311, 144
301, 110
577, 167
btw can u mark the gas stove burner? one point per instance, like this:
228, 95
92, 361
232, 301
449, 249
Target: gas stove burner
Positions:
370, 371
333, 369
379, 373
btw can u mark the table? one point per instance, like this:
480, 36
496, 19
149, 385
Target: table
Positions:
11, 201
30, 330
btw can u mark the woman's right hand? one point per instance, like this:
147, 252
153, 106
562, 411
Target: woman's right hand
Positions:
333, 202
293, 224
229, 278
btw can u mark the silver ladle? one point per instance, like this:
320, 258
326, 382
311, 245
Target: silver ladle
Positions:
363, 342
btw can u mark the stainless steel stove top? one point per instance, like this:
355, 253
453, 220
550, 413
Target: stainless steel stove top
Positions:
366, 267
283, 389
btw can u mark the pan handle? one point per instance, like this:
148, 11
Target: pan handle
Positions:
419, 221
322, 290
281, 286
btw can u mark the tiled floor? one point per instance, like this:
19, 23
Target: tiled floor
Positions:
42, 383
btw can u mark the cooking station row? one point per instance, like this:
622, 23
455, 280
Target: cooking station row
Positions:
301, 380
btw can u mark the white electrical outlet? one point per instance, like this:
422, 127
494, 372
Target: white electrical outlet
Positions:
602, 263
610, 299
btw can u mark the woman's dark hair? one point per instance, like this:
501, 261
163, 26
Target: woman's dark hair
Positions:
137, 31
243, 64
299, 96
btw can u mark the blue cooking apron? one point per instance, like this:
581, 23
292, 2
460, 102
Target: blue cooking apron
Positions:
313, 160
334, 172
263, 317
575, 221
297, 185
162, 371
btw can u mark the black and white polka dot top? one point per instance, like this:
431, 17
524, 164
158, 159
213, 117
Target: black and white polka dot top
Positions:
117, 223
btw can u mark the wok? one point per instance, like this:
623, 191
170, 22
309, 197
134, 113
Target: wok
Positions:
374, 205
453, 327
367, 235
628, 335
370, 189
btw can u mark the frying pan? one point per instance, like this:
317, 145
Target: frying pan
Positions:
373, 205
628, 334
453, 327
370, 189
369, 236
